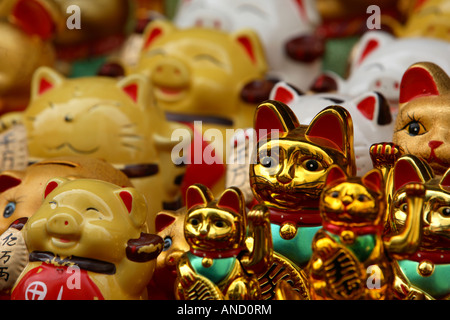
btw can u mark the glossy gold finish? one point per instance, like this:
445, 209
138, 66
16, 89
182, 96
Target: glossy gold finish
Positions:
219, 265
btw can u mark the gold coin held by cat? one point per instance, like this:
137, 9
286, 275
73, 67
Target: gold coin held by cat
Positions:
207, 262
288, 231
425, 268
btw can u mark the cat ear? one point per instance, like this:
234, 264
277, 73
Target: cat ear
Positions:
250, 42
335, 174
134, 203
374, 180
156, 29
333, 128
274, 115
10, 179
232, 198
52, 184
45, 79
136, 87
34, 18
374, 107
370, 42
198, 194
164, 219
408, 169
284, 92
423, 79
445, 180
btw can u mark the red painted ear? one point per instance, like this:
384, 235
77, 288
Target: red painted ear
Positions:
373, 180
445, 181
162, 221
417, 82
33, 18
369, 47
127, 199
247, 45
329, 129
8, 182
274, 115
404, 173
44, 85
51, 185
335, 174
132, 91
154, 30
231, 199
367, 107
198, 194
283, 92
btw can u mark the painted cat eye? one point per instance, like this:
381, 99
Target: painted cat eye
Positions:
445, 211
312, 165
9, 209
167, 243
415, 128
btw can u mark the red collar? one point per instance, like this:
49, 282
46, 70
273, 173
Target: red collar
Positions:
217, 254
305, 218
436, 257
359, 231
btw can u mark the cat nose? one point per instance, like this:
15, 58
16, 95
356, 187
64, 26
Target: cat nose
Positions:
346, 200
433, 144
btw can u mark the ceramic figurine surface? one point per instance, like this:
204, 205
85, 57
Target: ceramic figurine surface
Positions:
88, 241
370, 112
288, 171
111, 119
204, 75
219, 265
169, 226
380, 60
26, 45
421, 127
284, 27
350, 253
423, 274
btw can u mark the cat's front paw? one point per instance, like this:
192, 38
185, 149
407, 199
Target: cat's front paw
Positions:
9, 120
384, 154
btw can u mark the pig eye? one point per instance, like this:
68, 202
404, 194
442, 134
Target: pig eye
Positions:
9, 209
167, 243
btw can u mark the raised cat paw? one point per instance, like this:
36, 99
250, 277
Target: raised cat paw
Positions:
384, 154
259, 215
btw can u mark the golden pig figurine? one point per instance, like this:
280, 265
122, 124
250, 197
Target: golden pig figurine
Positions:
88, 241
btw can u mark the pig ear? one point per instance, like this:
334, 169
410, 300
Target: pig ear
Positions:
274, 115
374, 107
409, 169
233, 199
198, 194
335, 174
423, 79
284, 92
250, 42
10, 179
45, 79
135, 86
368, 44
52, 184
374, 180
34, 18
134, 203
155, 30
